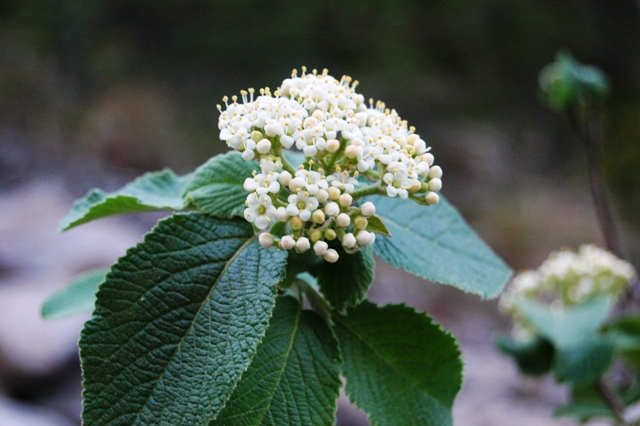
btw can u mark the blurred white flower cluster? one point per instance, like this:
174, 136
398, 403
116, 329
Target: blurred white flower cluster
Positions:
343, 141
568, 278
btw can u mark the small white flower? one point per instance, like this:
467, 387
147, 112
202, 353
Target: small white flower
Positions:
259, 210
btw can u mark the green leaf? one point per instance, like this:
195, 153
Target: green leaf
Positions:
401, 368
294, 377
217, 186
625, 334
346, 282
435, 243
583, 364
534, 357
177, 322
567, 327
586, 403
77, 297
377, 225
150, 192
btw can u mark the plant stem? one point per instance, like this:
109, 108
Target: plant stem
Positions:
612, 400
285, 163
368, 190
590, 134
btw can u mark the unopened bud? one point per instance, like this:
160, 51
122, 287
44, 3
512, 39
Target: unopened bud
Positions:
332, 209
351, 151
432, 198
318, 216
349, 241
368, 209
264, 146
343, 220
331, 256
435, 185
303, 244
285, 178
281, 214
315, 235
322, 195
345, 200
287, 242
330, 234
320, 247
435, 172
296, 223
363, 238
266, 239
257, 136
360, 222
334, 193
332, 145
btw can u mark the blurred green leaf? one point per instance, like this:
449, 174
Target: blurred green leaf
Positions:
77, 297
584, 363
533, 357
567, 327
567, 82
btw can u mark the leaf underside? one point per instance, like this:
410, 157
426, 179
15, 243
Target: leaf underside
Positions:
437, 244
401, 368
177, 322
150, 192
294, 377
77, 297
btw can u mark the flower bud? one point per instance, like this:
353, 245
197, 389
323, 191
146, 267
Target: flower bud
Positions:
322, 195
435, 172
285, 178
287, 242
349, 241
435, 185
330, 234
351, 151
318, 216
296, 184
360, 222
432, 198
315, 235
368, 209
264, 146
257, 136
303, 244
320, 247
281, 214
343, 220
296, 223
332, 209
363, 238
248, 155
345, 200
332, 145
266, 239
250, 185
334, 193
428, 157
331, 256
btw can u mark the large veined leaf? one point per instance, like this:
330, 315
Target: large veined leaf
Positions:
436, 243
294, 377
77, 297
401, 368
346, 282
217, 185
177, 321
150, 192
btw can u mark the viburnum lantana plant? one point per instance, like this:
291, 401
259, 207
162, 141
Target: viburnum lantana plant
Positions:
204, 322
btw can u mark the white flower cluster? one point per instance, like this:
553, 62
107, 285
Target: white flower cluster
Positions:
567, 278
343, 141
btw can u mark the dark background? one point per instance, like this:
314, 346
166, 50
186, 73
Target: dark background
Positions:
94, 93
